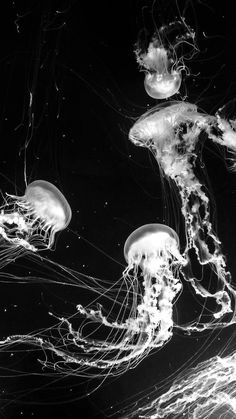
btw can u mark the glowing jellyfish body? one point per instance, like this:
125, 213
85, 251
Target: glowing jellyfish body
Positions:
154, 248
161, 80
172, 133
32, 220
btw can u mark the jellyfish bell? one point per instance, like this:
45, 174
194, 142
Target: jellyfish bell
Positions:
162, 86
159, 126
151, 247
162, 80
49, 204
32, 220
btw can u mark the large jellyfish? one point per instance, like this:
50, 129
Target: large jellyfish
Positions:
173, 133
32, 220
139, 323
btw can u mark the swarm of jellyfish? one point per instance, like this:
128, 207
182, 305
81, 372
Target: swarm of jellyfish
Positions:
174, 132
157, 265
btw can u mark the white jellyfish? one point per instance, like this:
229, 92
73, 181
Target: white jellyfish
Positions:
32, 220
161, 80
140, 320
172, 133
160, 63
154, 264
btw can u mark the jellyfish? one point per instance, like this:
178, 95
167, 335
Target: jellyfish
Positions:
32, 220
140, 320
154, 248
153, 270
173, 132
161, 80
163, 70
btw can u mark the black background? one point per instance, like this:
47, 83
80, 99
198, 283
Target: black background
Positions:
87, 92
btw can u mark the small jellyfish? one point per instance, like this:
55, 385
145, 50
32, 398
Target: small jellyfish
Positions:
162, 79
163, 58
32, 220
